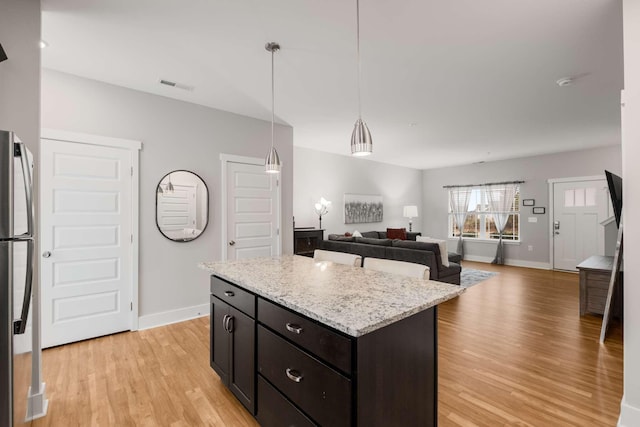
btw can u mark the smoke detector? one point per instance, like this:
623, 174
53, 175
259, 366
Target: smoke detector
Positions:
176, 85
565, 81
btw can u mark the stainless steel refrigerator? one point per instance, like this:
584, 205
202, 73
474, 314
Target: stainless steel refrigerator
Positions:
16, 278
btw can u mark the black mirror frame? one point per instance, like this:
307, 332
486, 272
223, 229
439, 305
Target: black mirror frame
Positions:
156, 210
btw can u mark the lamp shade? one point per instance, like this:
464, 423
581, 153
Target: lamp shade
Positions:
361, 144
410, 211
272, 161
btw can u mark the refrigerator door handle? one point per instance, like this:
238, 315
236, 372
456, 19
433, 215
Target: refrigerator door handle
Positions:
20, 325
28, 179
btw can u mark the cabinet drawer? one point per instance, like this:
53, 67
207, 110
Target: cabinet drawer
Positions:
317, 389
233, 295
324, 343
276, 411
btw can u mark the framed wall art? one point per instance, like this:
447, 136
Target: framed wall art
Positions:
360, 209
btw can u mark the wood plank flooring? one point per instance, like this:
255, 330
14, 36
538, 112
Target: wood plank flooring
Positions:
512, 351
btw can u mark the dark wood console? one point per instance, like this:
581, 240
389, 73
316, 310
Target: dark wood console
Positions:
306, 240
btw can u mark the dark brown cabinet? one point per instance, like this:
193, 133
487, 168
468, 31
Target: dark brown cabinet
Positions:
290, 370
233, 350
306, 240
313, 386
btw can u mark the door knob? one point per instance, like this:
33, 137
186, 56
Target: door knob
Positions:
232, 242
46, 254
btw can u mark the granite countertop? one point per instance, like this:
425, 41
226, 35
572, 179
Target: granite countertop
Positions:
350, 299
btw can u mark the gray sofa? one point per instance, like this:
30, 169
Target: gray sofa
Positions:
400, 250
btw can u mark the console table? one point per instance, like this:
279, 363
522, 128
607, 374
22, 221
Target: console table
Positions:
595, 274
306, 240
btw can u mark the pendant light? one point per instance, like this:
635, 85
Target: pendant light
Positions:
169, 189
361, 143
272, 161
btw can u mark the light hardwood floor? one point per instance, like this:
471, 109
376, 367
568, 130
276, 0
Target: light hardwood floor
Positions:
512, 351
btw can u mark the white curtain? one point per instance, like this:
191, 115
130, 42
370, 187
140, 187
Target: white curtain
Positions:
500, 198
459, 202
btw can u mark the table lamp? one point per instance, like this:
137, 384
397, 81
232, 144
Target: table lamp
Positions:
410, 212
322, 208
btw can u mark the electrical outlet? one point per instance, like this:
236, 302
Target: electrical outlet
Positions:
530, 248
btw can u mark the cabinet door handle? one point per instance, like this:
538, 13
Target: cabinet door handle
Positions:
294, 328
224, 322
230, 324
229, 293
294, 375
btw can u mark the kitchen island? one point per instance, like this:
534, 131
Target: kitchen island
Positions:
306, 343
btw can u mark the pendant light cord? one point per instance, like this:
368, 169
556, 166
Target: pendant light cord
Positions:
358, 55
273, 102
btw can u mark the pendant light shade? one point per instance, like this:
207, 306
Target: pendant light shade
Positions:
361, 142
170, 188
272, 161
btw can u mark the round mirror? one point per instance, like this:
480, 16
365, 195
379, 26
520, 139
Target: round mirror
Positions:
182, 206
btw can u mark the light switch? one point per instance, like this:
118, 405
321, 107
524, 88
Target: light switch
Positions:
533, 219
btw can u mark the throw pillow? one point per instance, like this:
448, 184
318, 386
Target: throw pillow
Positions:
348, 234
443, 247
357, 234
397, 233
371, 234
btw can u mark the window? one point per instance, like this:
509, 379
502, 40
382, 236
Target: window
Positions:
480, 222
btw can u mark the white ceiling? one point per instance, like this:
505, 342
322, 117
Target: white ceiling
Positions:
476, 78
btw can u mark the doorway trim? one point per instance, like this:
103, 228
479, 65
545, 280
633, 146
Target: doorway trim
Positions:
550, 183
134, 148
225, 159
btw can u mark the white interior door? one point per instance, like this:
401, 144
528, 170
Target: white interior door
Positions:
578, 209
177, 210
86, 239
252, 212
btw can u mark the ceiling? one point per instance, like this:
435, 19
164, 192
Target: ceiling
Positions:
443, 82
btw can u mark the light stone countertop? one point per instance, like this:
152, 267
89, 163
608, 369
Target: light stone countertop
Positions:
353, 300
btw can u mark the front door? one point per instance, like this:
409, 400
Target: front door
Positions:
252, 212
86, 239
578, 209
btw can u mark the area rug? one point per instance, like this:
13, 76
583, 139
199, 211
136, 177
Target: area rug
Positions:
470, 277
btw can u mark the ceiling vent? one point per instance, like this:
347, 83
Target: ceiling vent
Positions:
176, 85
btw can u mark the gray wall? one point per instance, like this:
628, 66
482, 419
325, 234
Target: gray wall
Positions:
318, 174
20, 112
175, 135
535, 171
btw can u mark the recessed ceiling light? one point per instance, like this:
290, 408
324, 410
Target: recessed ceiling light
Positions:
43, 44
565, 81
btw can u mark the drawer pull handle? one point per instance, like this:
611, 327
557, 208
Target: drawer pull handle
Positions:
229, 293
294, 375
294, 328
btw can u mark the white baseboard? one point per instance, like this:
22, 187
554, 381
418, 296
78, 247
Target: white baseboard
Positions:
629, 415
511, 262
173, 316
37, 403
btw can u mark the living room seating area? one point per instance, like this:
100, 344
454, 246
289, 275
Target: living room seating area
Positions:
375, 244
